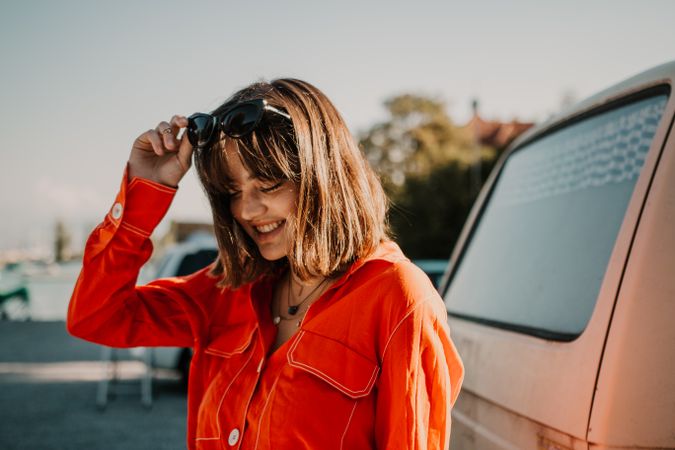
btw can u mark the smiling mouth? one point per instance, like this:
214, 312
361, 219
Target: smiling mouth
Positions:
262, 229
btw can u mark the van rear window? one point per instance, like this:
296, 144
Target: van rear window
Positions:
539, 252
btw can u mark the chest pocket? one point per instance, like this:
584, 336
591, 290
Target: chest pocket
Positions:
316, 394
229, 341
333, 362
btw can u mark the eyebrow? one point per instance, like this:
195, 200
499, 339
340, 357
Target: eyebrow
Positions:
248, 178
230, 183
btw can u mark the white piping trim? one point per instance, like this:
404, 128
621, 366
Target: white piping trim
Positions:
212, 351
223, 398
342, 440
134, 229
327, 377
153, 184
426, 299
262, 413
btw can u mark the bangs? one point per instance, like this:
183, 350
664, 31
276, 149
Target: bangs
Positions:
269, 153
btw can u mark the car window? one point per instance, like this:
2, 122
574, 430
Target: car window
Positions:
193, 262
538, 255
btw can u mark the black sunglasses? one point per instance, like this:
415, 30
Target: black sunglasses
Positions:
236, 122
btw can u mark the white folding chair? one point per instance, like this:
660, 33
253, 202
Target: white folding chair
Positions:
112, 377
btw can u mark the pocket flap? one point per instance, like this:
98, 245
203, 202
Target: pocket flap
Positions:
230, 340
335, 363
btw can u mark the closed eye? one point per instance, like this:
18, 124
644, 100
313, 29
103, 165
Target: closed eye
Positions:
273, 188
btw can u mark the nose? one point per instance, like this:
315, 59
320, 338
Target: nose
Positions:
251, 205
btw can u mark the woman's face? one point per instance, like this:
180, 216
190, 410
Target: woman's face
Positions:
261, 207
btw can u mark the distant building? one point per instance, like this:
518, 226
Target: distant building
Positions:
493, 133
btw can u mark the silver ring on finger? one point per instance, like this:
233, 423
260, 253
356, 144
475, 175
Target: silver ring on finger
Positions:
167, 130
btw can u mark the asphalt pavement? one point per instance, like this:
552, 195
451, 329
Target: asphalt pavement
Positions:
48, 386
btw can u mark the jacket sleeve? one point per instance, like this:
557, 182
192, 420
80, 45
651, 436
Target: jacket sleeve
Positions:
420, 380
106, 306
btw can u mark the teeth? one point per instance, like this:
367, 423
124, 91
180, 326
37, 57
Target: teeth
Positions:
269, 227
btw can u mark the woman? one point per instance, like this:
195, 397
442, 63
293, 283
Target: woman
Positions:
311, 330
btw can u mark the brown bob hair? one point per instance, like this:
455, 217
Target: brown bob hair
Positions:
341, 207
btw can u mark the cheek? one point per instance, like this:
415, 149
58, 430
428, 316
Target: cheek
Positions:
291, 208
235, 209
290, 202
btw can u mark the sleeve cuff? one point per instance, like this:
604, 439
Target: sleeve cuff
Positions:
140, 204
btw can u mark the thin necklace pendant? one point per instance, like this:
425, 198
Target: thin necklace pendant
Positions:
277, 321
293, 309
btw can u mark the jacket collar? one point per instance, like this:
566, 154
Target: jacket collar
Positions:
387, 251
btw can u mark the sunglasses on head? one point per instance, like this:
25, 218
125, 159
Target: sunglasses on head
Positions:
236, 122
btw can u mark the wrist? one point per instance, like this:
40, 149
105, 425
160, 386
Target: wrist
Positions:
173, 184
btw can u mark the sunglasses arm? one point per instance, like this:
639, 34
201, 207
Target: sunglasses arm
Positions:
278, 111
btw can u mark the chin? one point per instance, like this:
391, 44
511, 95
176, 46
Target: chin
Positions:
272, 254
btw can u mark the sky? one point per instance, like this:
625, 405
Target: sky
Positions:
80, 80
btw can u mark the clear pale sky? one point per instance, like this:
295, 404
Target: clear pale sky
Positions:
79, 80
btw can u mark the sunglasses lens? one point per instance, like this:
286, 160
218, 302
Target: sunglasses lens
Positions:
242, 120
200, 129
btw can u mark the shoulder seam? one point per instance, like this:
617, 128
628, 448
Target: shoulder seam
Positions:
400, 322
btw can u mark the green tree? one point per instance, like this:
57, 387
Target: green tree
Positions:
429, 211
425, 162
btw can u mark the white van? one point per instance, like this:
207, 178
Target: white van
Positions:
561, 288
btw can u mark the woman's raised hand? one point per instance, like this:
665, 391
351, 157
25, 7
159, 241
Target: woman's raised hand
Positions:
159, 155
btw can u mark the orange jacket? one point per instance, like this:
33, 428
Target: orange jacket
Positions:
372, 365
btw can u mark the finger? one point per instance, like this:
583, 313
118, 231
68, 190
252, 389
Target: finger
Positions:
178, 124
142, 142
166, 132
156, 142
185, 153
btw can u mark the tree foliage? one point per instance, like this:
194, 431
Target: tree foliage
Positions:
428, 167
429, 211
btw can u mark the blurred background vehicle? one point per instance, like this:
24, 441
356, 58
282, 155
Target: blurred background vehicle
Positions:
14, 297
196, 252
434, 268
560, 288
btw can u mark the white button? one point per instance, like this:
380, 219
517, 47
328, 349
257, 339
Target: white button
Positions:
233, 438
117, 211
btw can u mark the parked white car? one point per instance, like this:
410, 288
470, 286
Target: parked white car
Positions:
198, 251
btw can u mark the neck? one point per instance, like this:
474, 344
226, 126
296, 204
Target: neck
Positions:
298, 286
308, 291
292, 306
